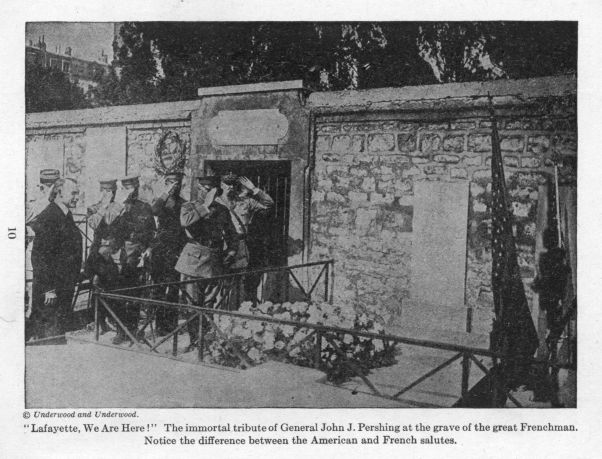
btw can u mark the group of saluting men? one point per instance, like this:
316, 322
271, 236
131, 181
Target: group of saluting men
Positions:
137, 243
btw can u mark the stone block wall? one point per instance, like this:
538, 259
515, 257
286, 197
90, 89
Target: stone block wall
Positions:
362, 193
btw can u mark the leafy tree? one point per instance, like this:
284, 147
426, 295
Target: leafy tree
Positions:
470, 51
48, 89
136, 63
108, 91
170, 61
395, 59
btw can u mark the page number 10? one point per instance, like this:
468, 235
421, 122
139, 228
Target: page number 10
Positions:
12, 233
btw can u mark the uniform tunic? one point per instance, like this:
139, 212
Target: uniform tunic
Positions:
211, 234
243, 211
171, 236
167, 246
136, 228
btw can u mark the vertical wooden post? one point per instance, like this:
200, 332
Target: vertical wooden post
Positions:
331, 295
465, 375
557, 194
326, 274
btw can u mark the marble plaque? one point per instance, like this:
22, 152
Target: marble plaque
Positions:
248, 127
439, 245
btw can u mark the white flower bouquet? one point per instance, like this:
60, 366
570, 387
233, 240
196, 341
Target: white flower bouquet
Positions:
257, 341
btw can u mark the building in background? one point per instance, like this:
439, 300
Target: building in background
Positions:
85, 73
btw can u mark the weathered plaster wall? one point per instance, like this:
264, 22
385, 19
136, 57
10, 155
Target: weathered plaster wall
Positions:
64, 151
141, 144
239, 123
104, 142
88, 145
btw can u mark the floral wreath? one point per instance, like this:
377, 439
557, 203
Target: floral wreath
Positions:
179, 154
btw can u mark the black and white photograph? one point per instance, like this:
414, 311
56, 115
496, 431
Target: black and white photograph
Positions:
281, 229
301, 214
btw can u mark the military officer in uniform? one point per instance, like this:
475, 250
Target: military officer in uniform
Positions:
102, 214
210, 246
135, 228
245, 201
56, 260
101, 218
166, 248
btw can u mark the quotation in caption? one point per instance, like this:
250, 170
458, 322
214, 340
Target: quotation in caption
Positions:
275, 433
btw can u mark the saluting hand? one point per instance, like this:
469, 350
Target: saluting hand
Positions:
164, 190
50, 298
245, 182
210, 197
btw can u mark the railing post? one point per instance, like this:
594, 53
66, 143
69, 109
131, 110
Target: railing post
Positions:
286, 285
174, 349
465, 375
469, 311
239, 281
201, 332
96, 322
318, 351
261, 290
498, 392
86, 237
201, 343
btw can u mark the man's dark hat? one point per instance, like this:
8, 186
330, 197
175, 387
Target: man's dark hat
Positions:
130, 180
179, 175
208, 180
108, 184
49, 176
230, 179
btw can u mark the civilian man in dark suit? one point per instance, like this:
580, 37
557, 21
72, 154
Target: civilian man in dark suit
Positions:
39, 199
56, 259
42, 195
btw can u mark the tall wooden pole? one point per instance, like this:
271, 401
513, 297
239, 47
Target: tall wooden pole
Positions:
557, 193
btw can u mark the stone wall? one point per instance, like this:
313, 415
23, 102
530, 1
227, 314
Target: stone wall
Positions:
369, 149
367, 161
